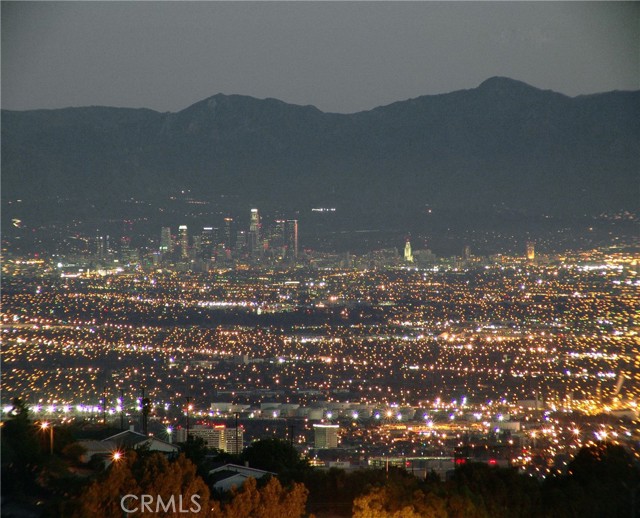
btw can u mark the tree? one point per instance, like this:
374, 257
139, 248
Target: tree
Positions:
20, 439
335, 490
599, 482
385, 502
500, 491
74, 452
277, 456
270, 501
379, 504
147, 475
195, 449
22, 452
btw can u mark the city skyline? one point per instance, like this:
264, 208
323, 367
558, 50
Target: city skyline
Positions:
382, 255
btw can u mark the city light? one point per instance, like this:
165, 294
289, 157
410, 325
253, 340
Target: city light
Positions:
533, 379
233, 305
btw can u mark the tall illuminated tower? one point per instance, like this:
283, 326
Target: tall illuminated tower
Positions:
255, 222
166, 243
278, 241
183, 239
229, 236
100, 247
208, 240
531, 251
408, 256
291, 239
254, 231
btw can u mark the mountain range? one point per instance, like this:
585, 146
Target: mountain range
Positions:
501, 144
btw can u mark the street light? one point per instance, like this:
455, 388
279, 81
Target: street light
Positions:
189, 407
46, 426
117, 455
237, 446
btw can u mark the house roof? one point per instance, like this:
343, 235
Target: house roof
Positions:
93, 446
220, 476
225, 477
243, 470
131, 439
127, 438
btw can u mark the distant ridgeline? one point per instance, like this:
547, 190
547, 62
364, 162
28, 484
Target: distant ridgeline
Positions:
503, 143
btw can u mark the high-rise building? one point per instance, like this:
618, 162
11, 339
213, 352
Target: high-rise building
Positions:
213, 436
183, 239
241, 242
208, 240
234, 438
531, 251
325, 436
277, 239
229, 234
127, 254
101, 249
254, 232
196, 247
408, 256
255, 222
166, 243
291, 239
220, 437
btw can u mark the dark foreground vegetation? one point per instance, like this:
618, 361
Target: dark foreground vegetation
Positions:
601, 481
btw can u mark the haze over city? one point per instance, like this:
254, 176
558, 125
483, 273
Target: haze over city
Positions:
339, 57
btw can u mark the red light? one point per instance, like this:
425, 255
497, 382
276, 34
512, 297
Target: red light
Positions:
461, 461
493, 462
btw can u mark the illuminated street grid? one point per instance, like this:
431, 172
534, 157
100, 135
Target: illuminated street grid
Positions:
408, 361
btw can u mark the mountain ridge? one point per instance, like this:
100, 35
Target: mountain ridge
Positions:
487, 83
501, 142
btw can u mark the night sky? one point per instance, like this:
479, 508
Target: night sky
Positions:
341, 57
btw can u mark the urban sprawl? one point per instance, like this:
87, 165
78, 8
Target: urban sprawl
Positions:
392, 357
